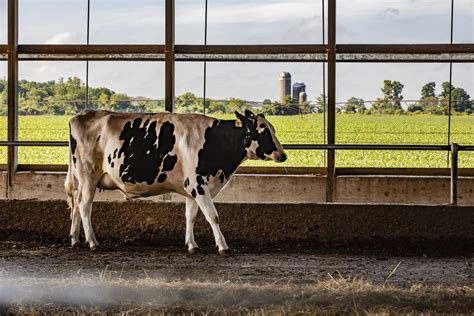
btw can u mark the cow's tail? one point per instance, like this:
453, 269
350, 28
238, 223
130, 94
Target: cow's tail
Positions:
69, 183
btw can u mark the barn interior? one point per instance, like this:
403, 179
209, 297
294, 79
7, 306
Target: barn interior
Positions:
373, 212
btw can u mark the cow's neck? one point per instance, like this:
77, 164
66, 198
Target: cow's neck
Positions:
224, 149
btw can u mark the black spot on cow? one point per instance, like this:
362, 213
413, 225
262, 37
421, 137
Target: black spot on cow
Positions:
193, 193
162, 177
169, 162
109, 159
73, 144
266, 145
143, 156
112, 164
224, 148
115, 153
186, 182
200, 180
98, 138
200, 190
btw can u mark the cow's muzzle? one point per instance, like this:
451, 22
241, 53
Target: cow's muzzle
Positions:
279, 157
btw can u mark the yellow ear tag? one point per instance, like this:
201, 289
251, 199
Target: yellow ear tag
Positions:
238, 123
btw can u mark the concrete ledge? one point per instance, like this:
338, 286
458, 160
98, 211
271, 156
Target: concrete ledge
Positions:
247, 188
405, 227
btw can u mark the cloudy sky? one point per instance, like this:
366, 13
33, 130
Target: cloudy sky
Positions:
244, 22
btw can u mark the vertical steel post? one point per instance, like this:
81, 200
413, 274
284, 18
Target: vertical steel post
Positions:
205, 63
12, 84
450, 80
169, 56
454, 173
331, 169
87, 61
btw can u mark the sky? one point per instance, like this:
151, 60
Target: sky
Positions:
244, 22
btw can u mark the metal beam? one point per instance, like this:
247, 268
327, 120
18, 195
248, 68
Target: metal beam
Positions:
91, 49
169, 56
12, 93
405, 48
250, 49
331, 157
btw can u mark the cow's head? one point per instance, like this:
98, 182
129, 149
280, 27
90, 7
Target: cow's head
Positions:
260, 140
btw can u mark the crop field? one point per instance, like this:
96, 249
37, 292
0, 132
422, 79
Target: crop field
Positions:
350, 128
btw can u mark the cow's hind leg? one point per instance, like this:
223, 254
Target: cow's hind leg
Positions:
75, 215
75, 225
85, 198
191, 212
207, 206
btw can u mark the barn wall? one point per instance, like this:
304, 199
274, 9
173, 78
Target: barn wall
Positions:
275, 189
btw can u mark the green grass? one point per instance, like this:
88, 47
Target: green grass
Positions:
351, 129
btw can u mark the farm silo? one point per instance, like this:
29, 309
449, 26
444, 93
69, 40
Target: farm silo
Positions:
298, 87
285, 86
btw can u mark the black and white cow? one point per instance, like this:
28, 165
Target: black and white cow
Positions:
151, 154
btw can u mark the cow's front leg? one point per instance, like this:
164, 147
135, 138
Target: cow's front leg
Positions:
191, 212
204, 201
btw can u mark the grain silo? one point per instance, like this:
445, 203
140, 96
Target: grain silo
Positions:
285, 86
298, 87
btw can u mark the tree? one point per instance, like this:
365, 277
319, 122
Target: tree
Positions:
354, 105
428, 102
217, 107
321, 103
428, 90
392, 97
460, 99
188, 103
120, 102
238, 105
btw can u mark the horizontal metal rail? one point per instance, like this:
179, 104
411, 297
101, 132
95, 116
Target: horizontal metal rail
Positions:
365, 147
29, 143
285, 146
262, 53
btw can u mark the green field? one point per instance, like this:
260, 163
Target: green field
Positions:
351, 129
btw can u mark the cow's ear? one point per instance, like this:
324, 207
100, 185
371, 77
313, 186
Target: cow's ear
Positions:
261, 115
240, 116
249, 114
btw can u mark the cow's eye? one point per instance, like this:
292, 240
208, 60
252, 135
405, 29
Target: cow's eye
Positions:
262, 125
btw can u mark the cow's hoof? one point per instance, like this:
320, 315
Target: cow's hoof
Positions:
193, 250
75, 245
95, 248
225, 252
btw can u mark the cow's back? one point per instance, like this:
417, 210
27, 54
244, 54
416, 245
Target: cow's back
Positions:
138, 153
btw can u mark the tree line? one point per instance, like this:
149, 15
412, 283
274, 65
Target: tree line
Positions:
67, 97
429, 102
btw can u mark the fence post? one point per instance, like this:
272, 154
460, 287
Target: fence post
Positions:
12, 93
454, 173
169, 55
331, 157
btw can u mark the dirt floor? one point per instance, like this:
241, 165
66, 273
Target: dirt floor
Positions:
55, 277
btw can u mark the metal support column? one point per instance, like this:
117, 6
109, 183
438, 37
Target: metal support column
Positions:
331, 169
454, 173
169, 57
12, 87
